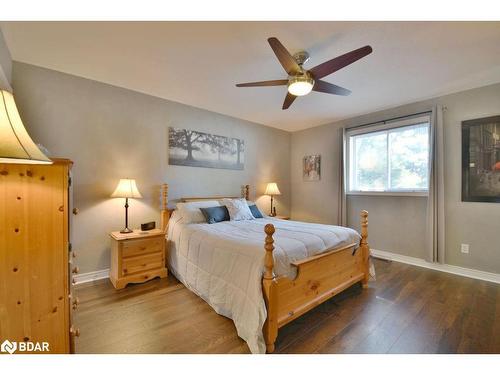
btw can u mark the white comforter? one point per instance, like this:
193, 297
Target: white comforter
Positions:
223, 263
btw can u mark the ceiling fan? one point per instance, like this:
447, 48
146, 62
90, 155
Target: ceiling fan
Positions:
300, 81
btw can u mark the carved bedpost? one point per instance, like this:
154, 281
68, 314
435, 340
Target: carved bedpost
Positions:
246, 191
365, 249
165, 215
270, 292
269, 246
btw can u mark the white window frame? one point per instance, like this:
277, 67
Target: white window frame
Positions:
378, 127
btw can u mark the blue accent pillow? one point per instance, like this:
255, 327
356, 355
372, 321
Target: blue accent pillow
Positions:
215, 214
255, 211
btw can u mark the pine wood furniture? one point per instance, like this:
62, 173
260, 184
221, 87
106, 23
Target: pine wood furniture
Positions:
35, 255
137, 257
319, 277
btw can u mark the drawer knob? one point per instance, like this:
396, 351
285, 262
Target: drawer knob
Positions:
76, 211
76, 269
75, 332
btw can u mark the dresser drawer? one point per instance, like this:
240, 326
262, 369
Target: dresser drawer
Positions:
142, 246
143, 263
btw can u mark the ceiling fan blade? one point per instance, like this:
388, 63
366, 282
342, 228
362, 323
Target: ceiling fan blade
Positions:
286, 60
330, 66
288, 100
276, 82
330, 88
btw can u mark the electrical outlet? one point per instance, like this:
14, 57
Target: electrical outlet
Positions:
464, 248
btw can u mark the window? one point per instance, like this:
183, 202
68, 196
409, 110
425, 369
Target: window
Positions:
392, 158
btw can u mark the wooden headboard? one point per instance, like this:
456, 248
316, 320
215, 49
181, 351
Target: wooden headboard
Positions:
167, 212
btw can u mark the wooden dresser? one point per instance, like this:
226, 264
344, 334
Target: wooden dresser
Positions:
137, 257
35, 257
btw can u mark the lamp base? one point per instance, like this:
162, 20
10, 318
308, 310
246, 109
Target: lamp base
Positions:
126, 230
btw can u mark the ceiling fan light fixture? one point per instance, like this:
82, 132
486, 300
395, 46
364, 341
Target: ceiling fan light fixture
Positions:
300, 81
300, 85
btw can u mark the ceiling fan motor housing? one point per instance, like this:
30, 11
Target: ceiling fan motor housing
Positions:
301, 57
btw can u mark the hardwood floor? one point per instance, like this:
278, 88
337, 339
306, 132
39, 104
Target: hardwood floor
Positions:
407, 310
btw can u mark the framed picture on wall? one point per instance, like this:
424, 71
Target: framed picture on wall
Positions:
192, 148
481, 160
311, 168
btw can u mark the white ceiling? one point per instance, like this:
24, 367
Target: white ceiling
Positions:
198, 63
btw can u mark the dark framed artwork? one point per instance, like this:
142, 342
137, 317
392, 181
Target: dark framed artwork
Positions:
481, 160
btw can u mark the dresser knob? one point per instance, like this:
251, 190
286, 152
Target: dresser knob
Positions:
76, 211
75, 269
75, 332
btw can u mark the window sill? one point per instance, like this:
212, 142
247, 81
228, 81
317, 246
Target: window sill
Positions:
391, 193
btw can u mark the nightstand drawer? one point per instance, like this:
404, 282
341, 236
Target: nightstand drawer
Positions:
143, 263
142, 246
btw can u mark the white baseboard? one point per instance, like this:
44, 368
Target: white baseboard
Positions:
467, 272
91, 276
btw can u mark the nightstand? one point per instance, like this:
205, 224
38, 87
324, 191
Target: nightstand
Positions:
282, 217
137, 257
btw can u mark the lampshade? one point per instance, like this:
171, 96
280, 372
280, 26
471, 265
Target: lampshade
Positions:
272, 189
16, 145
126, 189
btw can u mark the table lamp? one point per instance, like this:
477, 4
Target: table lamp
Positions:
272, 190
16, 146
126, 189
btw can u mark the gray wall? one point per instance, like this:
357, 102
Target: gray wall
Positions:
5, 64
397, 224
112, 133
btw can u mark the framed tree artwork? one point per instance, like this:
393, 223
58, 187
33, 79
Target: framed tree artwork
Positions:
481, 160
311, 168
197, 149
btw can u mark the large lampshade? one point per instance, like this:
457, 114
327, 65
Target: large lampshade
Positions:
16, 145
272, 189
126, 188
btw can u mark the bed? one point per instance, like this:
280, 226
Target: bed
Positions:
264, 273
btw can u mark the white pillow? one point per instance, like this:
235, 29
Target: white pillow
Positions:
191, 213
238, 209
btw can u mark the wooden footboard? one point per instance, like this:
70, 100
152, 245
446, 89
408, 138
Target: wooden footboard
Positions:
319, 278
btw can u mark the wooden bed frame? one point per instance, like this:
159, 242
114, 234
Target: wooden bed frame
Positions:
319, 277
